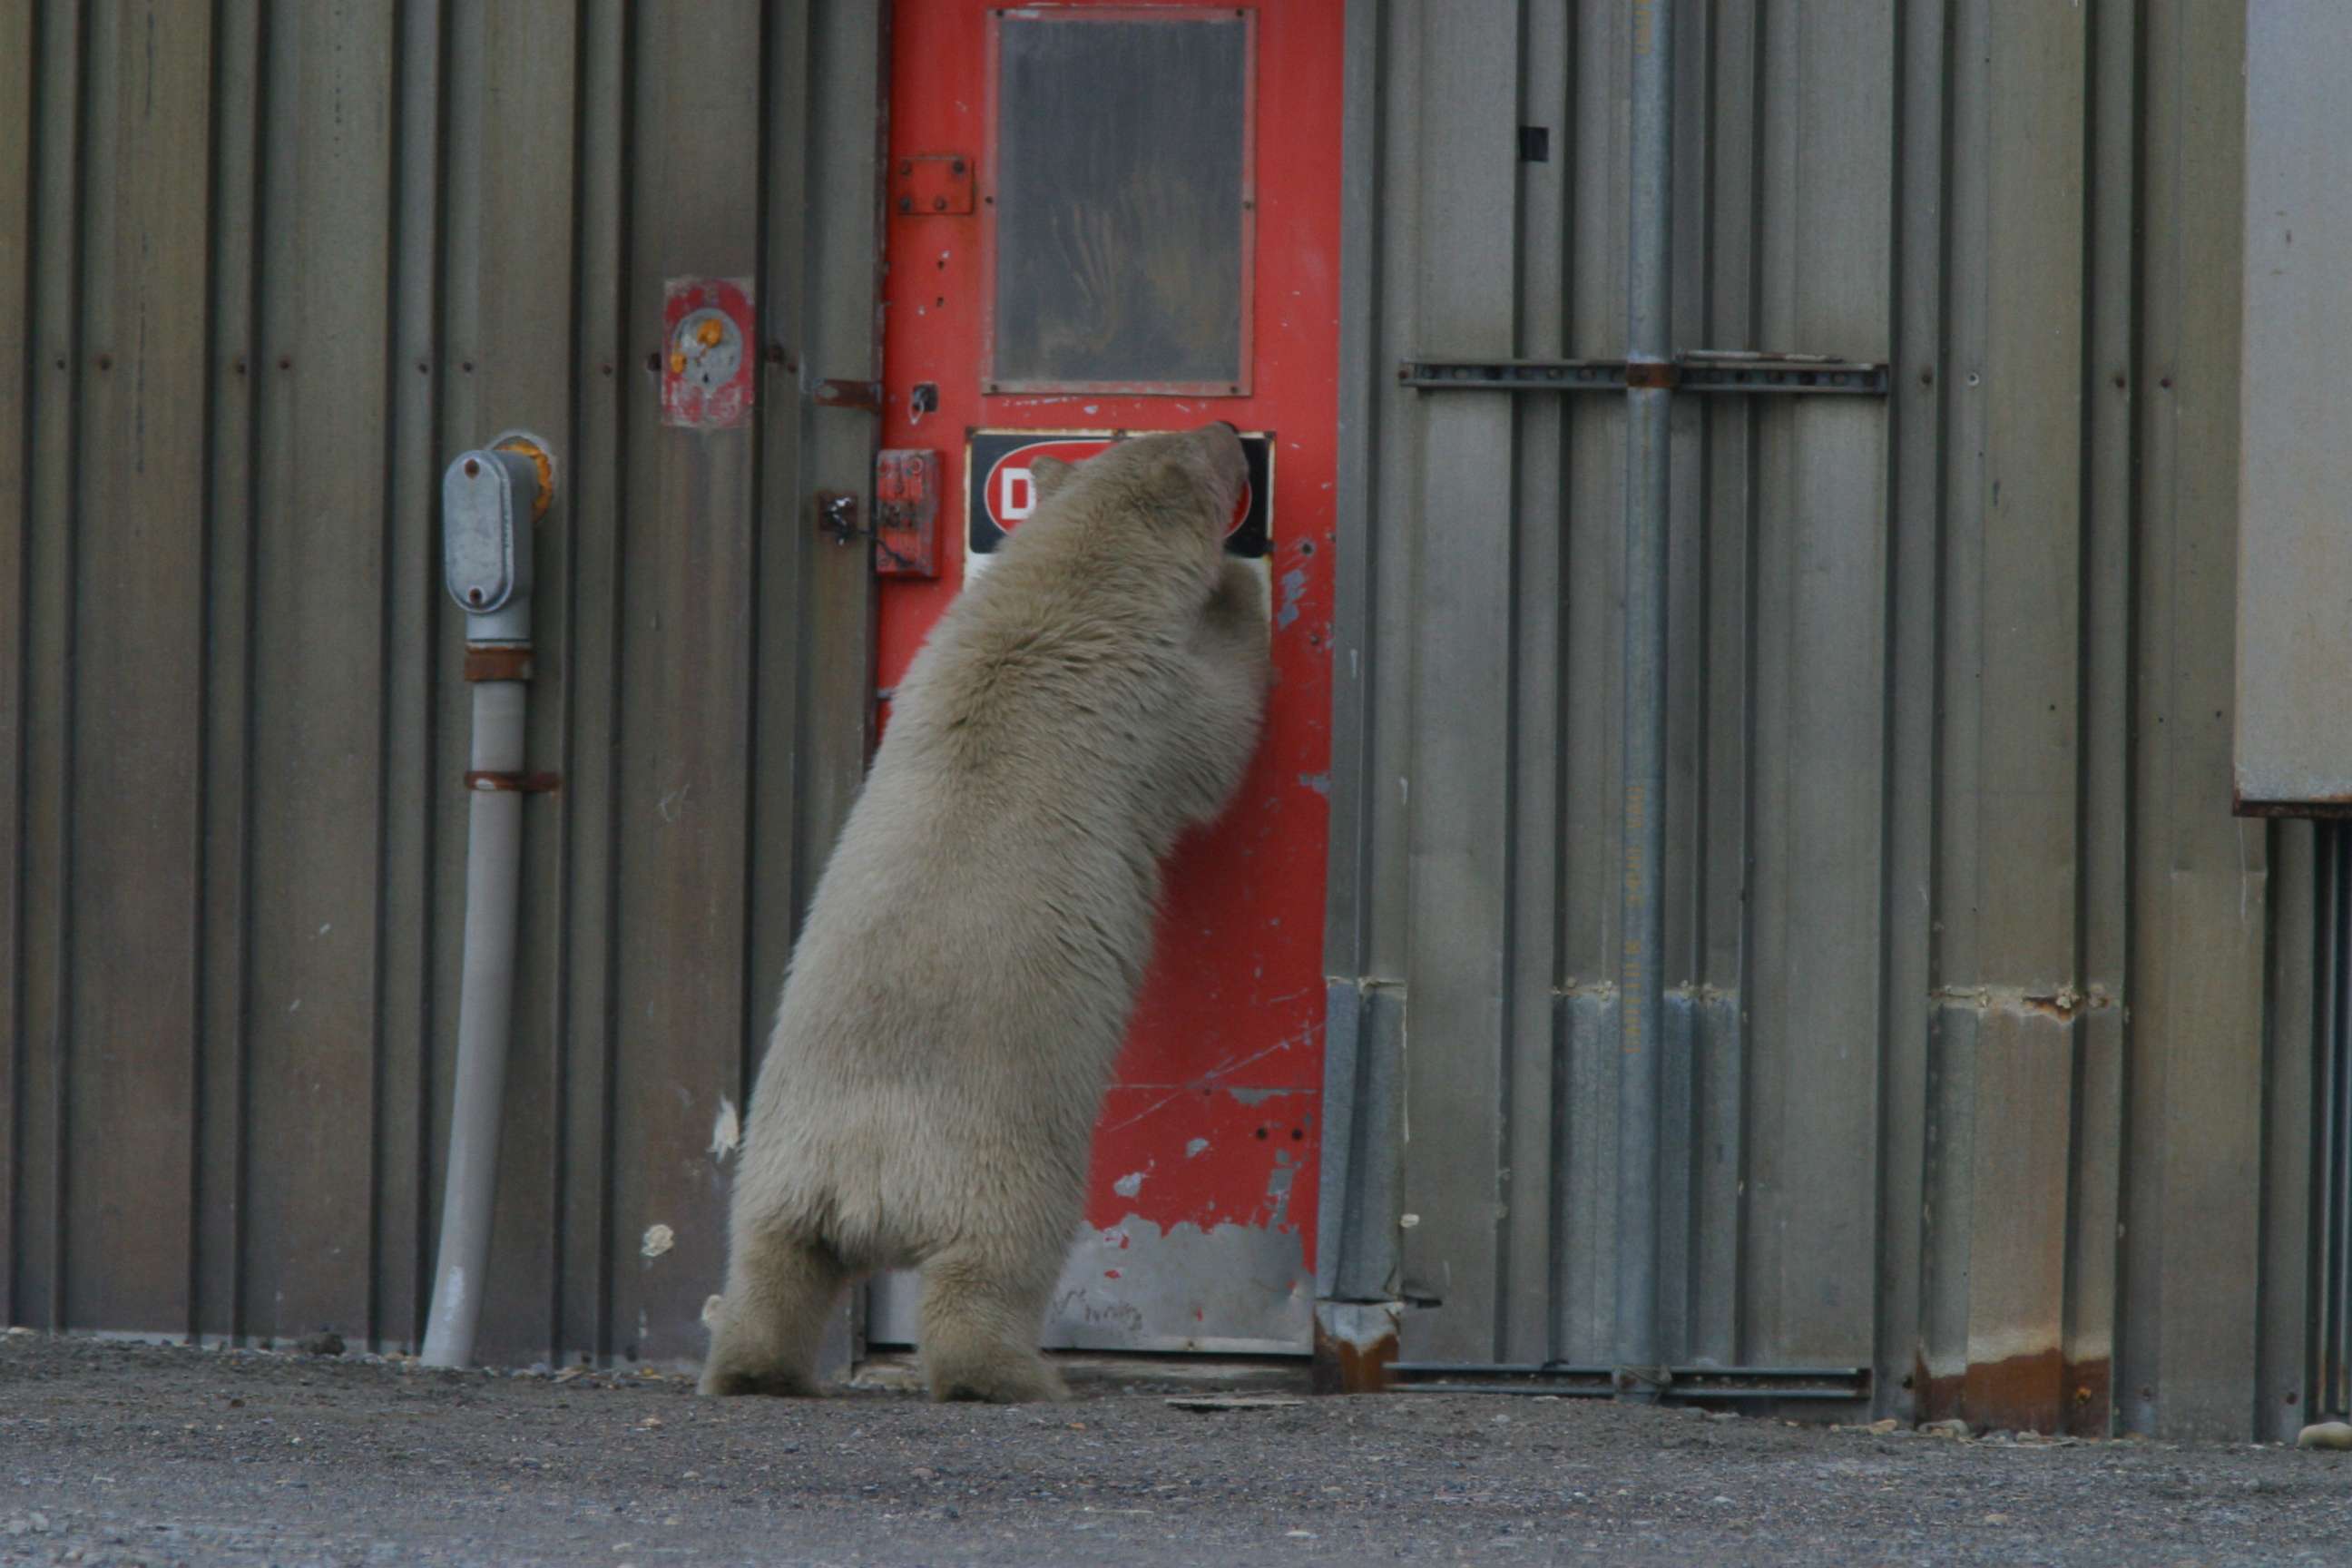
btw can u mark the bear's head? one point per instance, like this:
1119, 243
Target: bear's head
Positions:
1175, 491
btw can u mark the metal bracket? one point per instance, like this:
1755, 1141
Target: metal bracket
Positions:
836, 516
1695, 370
865, 394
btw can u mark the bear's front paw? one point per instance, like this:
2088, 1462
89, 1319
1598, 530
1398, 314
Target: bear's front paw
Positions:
1029, 1381
725, 1383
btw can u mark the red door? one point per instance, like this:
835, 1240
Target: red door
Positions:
1118, 217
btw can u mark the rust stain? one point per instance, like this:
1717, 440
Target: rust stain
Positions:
1342, 1365
2065, 1003
546, 467
497, 661
2041, 1391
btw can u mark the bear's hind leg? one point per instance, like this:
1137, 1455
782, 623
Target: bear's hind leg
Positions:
981, 1313
781, 1291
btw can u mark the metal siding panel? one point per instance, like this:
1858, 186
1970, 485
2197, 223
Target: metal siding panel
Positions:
1396, 521
2016, 535
1682, 875
1952, 754
2294, 735
2290, 1303
841, 338
1954, 875
18, 376
1916, 423
1364, 398
138, 714
597, 443
420, 841
2197, 1009
1593, 497
784, 542
2326, 1239
686, 670
58, 194
1357, 1246
1828, 100
1721, 832
1592, 500
1584, 1183
2027, 552
1358, 1189
836, 587
2017, 1256
236, 134
508, 269
810, 706
1460, 801
2104, 797
1534, 1049
317, 784
1947, 1226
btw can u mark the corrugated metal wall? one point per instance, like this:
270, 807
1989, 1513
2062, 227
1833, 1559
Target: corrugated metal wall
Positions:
265, 266
1997, 1024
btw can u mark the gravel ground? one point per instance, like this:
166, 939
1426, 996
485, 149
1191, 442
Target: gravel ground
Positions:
114, 1453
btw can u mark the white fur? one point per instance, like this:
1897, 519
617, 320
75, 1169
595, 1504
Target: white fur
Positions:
971, 956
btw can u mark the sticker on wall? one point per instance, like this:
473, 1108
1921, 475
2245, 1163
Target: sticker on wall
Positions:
1000, 490
706, 358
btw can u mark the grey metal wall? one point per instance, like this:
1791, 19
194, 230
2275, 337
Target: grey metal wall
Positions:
265, 265
1996, 1025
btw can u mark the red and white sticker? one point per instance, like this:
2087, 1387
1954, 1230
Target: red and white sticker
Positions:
706, 358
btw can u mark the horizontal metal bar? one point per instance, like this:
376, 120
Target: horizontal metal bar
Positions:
1702, 1382
1605, 1391
1697, 371
1575, 1369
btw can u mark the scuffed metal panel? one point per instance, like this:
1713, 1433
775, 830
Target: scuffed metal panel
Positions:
1183, 1267
1139, 1286
1995, 1032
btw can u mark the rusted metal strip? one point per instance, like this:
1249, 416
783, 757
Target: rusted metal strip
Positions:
2323, 808
497, 661
865, 394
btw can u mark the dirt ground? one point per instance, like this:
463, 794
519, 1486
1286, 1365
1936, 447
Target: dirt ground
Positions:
113, 1453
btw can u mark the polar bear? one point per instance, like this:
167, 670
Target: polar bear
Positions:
970, 961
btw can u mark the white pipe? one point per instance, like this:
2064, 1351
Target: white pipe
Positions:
484, 1018
490, 501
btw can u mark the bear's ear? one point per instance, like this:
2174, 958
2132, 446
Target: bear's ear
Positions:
1048, 474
